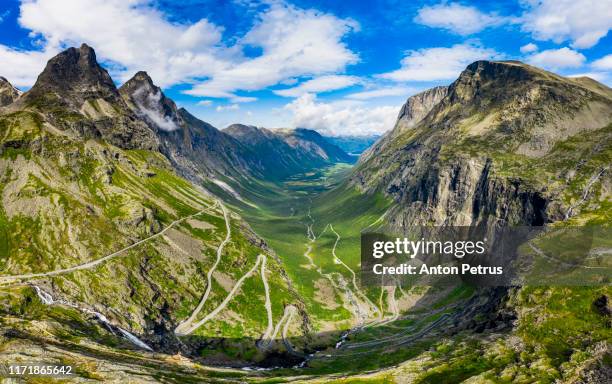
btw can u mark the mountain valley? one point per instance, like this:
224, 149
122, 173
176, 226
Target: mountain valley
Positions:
141, 244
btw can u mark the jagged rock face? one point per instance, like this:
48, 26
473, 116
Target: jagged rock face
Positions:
74, 75
449, 167
8, 93
418, 106
411, 113
194, 146
149, 102
75, 93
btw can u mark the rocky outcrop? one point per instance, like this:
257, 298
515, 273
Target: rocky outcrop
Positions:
194, 146
150, 103
8, 93
417, 107
73, 76
411, 113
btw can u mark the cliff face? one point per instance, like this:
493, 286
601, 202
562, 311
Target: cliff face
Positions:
411, 113
417, 107
505, 143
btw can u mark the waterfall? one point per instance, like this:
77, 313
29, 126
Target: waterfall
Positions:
47, 299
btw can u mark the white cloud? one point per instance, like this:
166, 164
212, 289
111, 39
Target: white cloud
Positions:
583, 22
205, 103
294, 43
528, 48
22, 67
381, 92
319, 84
457, 18
242, 99
605, 63
555, 59
439, 63
341, 118
231, 107
155, 113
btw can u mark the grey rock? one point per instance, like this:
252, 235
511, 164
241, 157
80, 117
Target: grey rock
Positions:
8, 93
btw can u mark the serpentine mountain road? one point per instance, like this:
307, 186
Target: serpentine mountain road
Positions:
228, 233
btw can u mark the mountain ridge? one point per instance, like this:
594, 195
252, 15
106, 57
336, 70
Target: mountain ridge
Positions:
465, 135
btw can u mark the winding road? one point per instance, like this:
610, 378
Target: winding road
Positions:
267, 337
228, 234
585, 193
354, 276
187, 328
91, 264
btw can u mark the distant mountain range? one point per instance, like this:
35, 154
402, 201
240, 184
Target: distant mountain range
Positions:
353, 145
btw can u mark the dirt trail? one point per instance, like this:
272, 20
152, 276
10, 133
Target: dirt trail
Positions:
373, 307
91, 264
186, 328
268, 305
392, 305
196, 311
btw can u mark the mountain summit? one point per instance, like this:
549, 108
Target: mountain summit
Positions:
74, 75
147, 99
74, 93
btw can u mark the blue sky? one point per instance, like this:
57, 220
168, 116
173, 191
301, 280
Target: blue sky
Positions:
341, 67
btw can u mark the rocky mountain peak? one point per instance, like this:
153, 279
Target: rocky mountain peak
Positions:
416, 108
143, 78
74, 75
8, 93
148, 100
75, 93
485, 82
